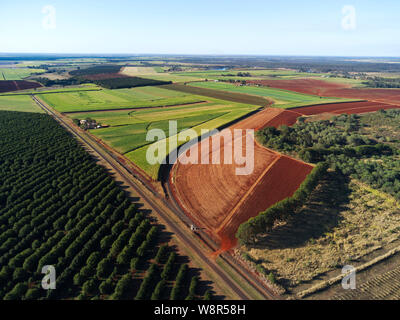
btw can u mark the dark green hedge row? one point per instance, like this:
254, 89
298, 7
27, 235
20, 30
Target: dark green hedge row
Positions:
96, 70
282, 210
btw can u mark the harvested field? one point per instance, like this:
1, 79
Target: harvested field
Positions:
219, 94
330, 89
216, 198
15, 85
138, 108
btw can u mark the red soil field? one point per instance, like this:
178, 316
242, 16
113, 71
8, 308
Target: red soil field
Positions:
15, 85
346, 107
103, 76
308, 86
218, 199
329, 89
367, 109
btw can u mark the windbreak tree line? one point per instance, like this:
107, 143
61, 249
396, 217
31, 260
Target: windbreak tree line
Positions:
59, 208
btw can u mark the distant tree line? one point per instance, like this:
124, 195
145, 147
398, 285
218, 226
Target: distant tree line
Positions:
128, 82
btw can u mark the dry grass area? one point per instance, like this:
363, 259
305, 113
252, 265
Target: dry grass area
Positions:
342, 222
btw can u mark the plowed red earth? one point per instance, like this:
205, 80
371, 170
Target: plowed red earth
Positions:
330, 89
14, 85
218, 199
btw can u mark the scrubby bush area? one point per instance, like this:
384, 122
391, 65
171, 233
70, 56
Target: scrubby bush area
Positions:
352, 144
128, 82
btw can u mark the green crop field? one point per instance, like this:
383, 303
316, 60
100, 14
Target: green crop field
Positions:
17, 73
282, 98
116, 99
22, 103
128, 129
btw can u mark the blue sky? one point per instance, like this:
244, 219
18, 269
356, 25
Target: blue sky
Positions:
262, 27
